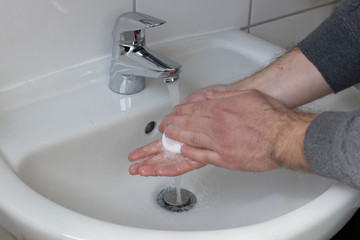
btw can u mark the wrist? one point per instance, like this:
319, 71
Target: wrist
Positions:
289, 147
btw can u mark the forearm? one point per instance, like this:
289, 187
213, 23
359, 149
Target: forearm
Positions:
331, 52
292, 79
289, 147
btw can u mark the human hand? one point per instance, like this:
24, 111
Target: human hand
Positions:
200, 95
151, 160
241, 130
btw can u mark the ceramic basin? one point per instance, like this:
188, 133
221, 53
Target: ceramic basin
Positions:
64, 169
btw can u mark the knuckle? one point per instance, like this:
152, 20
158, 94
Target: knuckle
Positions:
186, 121
176, 109
167, 120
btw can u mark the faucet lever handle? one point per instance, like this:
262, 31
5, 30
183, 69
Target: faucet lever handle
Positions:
135, 20
129, 27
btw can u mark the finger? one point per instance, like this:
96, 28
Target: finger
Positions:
193, 138
162, 126
181, 167
200, 95
162, 165
147, 171
192, 108
134, 168
148, 166
165, 122
195, 109
216, 94
144, 152
204, 108
188, 122
203, 156
195, 97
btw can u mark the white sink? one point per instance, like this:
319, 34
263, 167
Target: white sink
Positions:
64, 171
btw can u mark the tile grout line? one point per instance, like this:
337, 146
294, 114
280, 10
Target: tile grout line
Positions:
247, 28
249, 15
134, 5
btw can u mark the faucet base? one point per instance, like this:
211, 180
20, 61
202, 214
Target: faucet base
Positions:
128, 84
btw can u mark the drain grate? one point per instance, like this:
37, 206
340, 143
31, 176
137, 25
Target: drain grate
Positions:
167, 199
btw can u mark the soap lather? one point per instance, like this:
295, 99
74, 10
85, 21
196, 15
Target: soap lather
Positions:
171, 145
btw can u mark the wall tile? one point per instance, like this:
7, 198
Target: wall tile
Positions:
188, 17
39, 37
290, 30
269, 9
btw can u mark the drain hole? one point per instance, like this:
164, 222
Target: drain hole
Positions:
150, 127
167, 199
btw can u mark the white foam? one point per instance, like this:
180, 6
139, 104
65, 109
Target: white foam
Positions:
171, 145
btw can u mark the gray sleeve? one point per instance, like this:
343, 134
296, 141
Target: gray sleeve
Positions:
332, 146
334, 47
332, 140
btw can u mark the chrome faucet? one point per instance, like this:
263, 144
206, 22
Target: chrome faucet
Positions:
132, 61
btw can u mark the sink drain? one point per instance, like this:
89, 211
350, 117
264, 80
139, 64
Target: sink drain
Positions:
150, 127
167, 199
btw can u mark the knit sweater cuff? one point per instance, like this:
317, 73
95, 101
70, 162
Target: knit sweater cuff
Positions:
328, 150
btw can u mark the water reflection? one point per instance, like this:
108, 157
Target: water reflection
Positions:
125, 103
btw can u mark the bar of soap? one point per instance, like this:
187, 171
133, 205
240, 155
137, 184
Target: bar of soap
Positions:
171, 145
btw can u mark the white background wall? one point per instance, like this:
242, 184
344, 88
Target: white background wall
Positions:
39, 37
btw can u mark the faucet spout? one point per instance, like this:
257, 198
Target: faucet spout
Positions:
132, 61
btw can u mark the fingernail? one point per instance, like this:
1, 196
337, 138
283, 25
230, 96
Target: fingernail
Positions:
142, 172
132, 171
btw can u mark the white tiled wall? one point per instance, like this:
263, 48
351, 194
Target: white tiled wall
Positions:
42, 36
268, 9
188, 17
288, 31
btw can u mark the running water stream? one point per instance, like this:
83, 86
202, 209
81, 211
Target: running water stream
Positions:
174, 94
